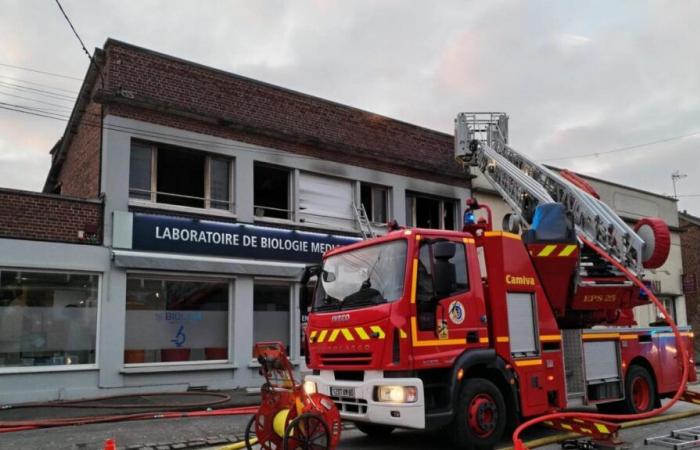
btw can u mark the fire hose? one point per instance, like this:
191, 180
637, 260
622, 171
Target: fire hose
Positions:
519, 445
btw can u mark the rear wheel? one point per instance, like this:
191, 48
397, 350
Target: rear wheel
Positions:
481, 415
374, 430
640, 393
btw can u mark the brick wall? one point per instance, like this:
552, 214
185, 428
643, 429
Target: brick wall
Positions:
160, 89
46, 217
690, 248
80, 171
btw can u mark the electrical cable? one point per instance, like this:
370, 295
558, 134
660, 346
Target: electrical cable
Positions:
52, 74
34, 83
680, 345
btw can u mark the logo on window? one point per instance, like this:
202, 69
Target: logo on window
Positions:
456, 312
180, 337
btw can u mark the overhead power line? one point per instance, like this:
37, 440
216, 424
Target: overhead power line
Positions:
34, 83
43, 72
621, 149
74, 31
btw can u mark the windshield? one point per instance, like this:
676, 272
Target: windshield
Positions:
362, 277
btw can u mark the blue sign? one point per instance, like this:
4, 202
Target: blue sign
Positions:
204, 237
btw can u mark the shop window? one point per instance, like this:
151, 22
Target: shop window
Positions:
47, 318
176, 320
425, 211
272, 191
271, 311
175, 176
375, 200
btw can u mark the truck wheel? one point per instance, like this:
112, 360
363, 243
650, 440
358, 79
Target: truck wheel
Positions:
480, 417
640, 390
373, 430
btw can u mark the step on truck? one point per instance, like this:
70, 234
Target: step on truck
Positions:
475, 331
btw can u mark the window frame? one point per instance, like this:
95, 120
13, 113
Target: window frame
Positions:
411, 198
63, 367
291, 195
185, 276
152, 202
370, 212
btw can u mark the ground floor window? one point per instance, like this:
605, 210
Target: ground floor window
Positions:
47, 318
271, 311
176, 319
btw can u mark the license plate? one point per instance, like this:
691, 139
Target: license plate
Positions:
343, 392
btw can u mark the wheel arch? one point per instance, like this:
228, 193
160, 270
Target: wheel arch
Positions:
643, 362
488, 365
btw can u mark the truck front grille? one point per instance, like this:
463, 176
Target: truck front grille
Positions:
350, 405
346, 359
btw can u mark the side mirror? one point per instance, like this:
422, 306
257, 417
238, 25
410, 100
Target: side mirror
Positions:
328, 277
304, 300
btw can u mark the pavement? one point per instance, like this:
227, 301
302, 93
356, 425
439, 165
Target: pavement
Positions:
214, 431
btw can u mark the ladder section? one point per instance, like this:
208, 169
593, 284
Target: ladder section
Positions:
678, 439
363, 221
481, 141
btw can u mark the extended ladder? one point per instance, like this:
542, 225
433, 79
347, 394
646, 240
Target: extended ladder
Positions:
678, 439
481, 141
363, 221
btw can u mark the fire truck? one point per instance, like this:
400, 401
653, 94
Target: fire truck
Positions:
475, 331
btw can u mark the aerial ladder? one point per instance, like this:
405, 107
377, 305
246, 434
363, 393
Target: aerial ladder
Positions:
596, 292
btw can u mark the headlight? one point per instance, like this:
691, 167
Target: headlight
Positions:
397, 394
309, 387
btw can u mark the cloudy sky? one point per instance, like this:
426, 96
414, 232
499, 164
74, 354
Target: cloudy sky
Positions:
576, 78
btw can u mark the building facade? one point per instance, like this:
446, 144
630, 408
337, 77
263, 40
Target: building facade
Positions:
631, 204
215, 193
690, 247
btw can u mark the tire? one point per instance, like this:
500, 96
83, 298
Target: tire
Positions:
481, 416
374, 430
640, 393
308, 431
250, 433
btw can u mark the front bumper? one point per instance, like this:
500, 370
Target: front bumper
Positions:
363, 407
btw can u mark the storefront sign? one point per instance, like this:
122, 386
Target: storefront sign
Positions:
182, 235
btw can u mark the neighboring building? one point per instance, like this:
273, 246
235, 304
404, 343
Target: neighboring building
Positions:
215, 191
690, 247
631, 204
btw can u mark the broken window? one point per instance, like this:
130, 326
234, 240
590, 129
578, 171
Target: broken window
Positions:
375, 199
271, 191
426, 211
175, 176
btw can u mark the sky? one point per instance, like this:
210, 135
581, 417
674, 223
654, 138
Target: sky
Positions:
576, 78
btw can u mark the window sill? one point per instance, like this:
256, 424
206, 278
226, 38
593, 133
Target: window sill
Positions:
185, 209
164, 368
253, 364
313, 226
40, 369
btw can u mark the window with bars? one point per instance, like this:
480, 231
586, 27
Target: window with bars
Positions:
178, 176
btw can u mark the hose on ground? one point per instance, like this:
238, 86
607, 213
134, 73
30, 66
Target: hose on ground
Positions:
99, 402
519, 445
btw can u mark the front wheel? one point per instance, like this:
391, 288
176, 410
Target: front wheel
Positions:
481, 415
308, 431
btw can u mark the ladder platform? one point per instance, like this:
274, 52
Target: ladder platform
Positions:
677, 439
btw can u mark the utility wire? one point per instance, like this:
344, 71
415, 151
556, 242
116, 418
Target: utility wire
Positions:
74, 31
621, 149
31, 99
54, 95
40, 71
34, 83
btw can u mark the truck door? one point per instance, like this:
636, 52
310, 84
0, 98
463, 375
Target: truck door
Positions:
443, 297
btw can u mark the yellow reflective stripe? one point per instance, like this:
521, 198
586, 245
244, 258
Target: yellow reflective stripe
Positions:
529, 362
569, 249
548, 422
468, 241
322, 336
414, 280
502, 339
629, 336
586, 430
566, 426
601, 336
547, 250
313, 335
377, 329
602, 428
334, 335
362, 333
502, 234
347, 334
550, 338
402, 334
483, 340
433, 342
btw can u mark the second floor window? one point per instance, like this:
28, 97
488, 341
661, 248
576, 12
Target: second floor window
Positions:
375, 199
272, 191
175, 176
425, 211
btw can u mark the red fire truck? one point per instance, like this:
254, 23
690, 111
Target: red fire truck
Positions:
475, 331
